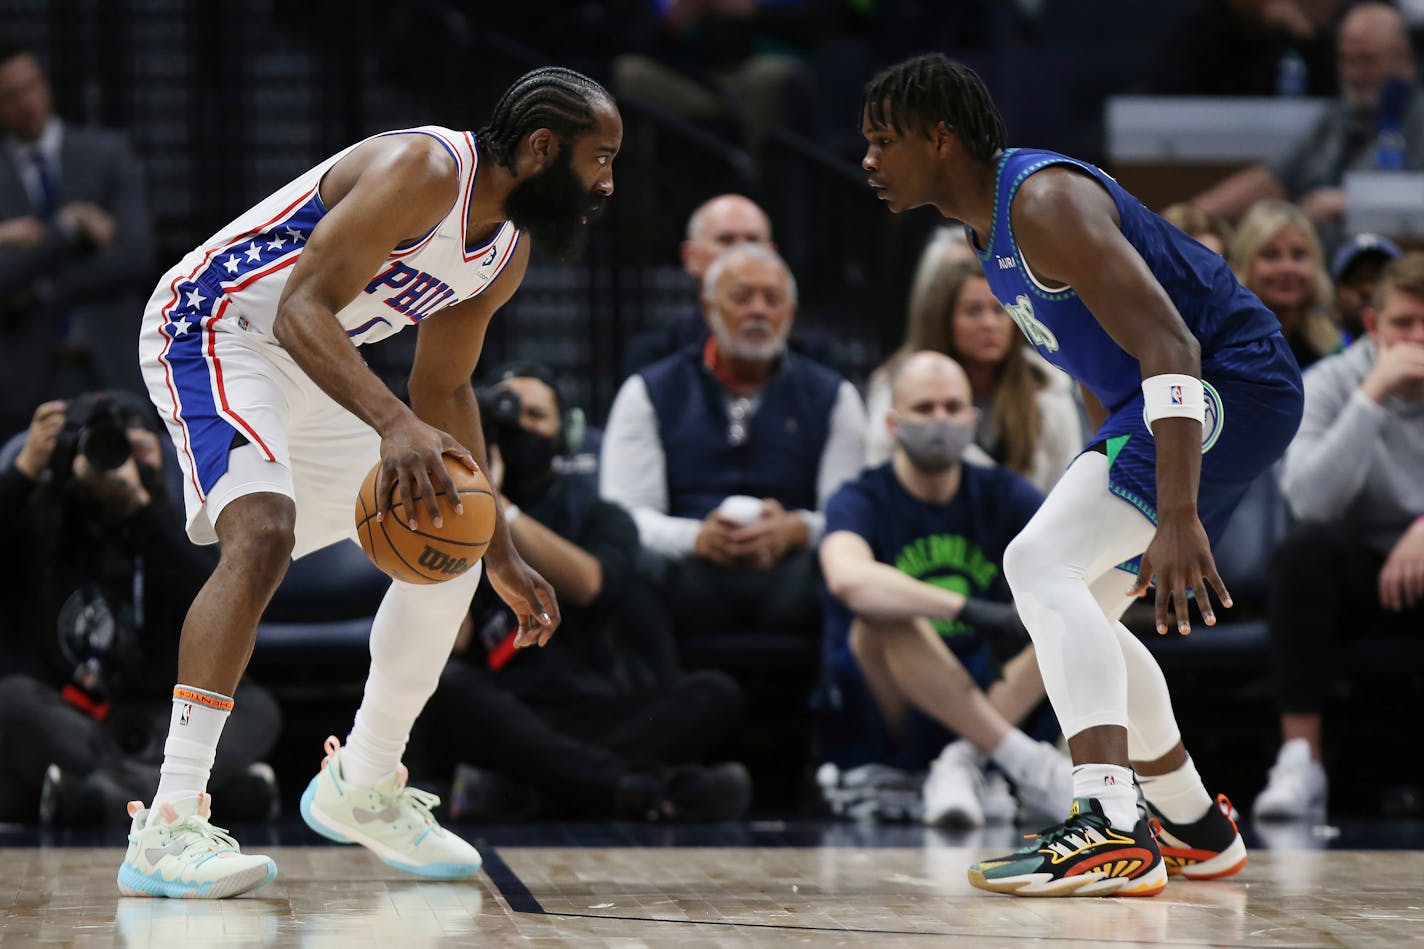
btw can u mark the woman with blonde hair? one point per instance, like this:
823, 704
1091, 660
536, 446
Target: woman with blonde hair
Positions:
1277, 255
1028, 420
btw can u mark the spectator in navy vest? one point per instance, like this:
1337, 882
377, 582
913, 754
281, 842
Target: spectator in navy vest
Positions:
1355, 564
726, 453
717, 225
913, 558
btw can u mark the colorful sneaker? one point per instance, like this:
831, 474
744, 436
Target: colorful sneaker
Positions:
174, 851
1206, 849
391, 820
1083, 856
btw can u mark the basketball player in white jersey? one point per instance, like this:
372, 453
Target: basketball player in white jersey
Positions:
249, 350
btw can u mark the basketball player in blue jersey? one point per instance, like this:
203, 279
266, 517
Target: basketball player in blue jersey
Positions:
1202, 395
249, 346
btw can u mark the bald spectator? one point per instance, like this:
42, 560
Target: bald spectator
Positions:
718, 224
740, 418
913, 559
1379, 94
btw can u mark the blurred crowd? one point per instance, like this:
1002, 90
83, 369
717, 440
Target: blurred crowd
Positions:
743, 504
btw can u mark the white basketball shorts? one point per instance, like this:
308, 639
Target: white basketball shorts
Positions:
246, 419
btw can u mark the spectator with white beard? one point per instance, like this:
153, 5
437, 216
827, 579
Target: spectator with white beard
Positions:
725, 453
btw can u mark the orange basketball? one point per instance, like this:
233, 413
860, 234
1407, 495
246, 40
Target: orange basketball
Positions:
428, 554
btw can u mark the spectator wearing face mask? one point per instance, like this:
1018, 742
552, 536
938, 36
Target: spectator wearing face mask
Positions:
601, 722
919, 612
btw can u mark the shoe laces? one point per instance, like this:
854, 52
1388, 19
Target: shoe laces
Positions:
422, 802
1073, 825
214, 838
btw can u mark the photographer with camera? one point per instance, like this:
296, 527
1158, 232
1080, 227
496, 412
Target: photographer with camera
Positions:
600, 722
99, 575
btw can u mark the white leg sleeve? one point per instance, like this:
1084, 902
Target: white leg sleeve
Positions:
1151, 725
1081, 531
414, 630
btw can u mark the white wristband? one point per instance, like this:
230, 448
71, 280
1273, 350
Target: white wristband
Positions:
511, 511
1173, 395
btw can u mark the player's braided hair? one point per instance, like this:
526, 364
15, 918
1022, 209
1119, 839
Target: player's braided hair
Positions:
552, 97
933, 88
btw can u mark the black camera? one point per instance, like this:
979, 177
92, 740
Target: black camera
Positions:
499, 413
97, 425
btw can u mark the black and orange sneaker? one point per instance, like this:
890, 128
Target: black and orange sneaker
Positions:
1206, 849
1083, 856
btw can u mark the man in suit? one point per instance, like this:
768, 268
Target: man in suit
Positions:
76, 248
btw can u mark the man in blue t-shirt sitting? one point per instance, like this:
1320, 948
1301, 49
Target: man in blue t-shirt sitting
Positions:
912, 559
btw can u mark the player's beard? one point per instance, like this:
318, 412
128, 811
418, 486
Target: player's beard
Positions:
553, 207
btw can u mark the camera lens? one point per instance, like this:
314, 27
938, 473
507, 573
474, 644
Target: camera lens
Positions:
103, 441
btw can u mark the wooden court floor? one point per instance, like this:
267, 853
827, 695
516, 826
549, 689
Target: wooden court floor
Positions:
630, 896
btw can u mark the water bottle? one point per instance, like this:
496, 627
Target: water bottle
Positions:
1291, 74
1389, 149
1389, 137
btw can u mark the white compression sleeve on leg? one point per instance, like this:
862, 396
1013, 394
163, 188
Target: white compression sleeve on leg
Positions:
411, 638
1151, 724
1081, 530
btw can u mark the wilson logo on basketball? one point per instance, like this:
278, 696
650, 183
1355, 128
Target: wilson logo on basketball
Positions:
441, 562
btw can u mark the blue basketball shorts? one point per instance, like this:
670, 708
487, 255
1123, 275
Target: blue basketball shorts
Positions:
1254, 401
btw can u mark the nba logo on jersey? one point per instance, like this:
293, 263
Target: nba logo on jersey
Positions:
1176, 395
186, 714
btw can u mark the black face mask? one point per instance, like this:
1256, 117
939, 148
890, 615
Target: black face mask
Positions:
552, 205
528, 465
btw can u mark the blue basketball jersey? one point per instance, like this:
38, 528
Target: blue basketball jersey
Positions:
1218, 310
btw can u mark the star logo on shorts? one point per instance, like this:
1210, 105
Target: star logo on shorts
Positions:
180, 326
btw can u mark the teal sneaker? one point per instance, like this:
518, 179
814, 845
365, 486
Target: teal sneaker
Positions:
174, 852
391, 820
1084, 856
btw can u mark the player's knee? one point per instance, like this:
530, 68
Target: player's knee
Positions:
1023, 564
262, 541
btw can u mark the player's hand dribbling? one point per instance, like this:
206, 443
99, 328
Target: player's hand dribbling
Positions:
412, 469
1180, 557
528, 594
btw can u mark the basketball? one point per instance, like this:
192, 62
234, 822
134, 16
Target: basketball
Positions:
428, 554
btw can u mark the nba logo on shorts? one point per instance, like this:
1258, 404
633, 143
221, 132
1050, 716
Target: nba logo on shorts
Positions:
186, 714
1176, 395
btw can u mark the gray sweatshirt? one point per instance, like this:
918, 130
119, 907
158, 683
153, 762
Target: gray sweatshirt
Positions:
1354, 460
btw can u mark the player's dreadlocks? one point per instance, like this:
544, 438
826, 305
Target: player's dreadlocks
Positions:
933, 88
551, 97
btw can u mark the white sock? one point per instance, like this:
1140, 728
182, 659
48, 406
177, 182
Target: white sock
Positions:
193, 733
1178, 795
1017, 754
1113, 788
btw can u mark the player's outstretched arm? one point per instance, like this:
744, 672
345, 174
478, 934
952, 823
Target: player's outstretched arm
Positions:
447, 350
1067, 226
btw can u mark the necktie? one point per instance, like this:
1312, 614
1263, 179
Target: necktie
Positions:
48, 204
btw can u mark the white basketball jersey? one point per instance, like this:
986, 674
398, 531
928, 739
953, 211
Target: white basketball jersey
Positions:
240, 271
